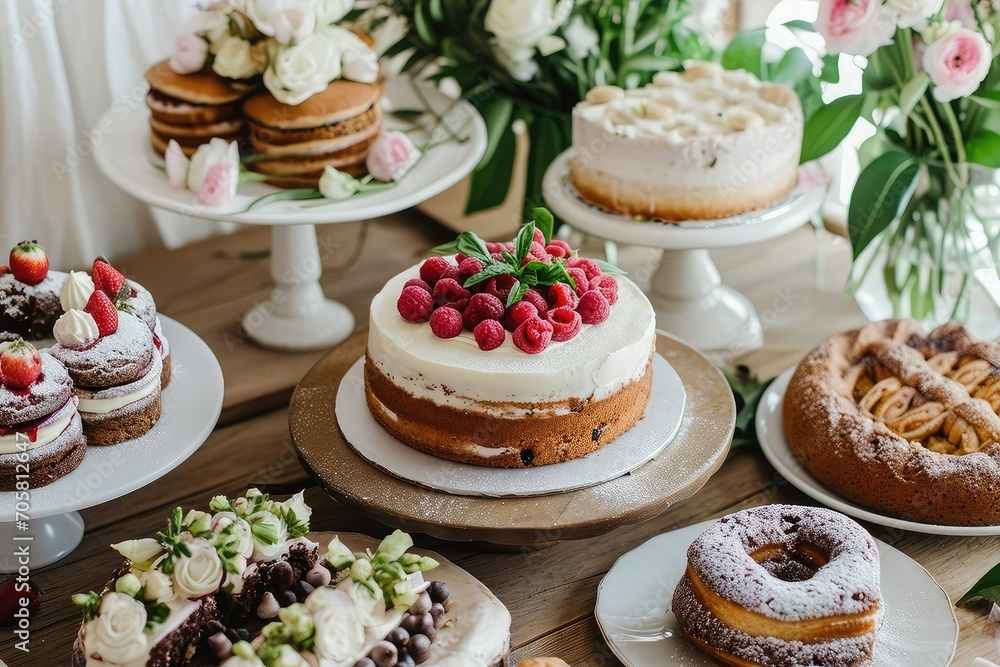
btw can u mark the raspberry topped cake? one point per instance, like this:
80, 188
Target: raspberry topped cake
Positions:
243, 585
41, 435
509, 355
704, 143
29, 293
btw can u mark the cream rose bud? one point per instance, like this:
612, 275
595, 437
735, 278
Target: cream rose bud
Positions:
139, 551
177, 164
957, 64
116, 635
215, 152
199, 574
855, 27
297, 505
299, 71
237, 529
272, 526
391, 155
159, 586
336, 185
361, 65
190, 56
913, 13
235, 59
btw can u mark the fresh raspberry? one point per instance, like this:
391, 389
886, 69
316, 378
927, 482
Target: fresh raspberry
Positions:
493, 247
556, 243
561, 294
417, 282
414, 304
482, 307
489, 334
593, 307
539, 237
518, 313
469, 267
500, 286
554, 251
565, 323
589, 266
581, 280
459, 258
533, 335
103, 311
535, 298
451, 272
606, 285
497, 256
448, 292
446, 322
432, 269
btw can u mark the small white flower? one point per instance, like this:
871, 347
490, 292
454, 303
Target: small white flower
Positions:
200, 573
913, 13
293, 23
237, 59
581, 38
361, 65
336, 185
299, 71
139, 551
117, 633
208, 158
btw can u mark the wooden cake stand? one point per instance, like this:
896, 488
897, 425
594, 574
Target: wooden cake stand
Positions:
702, 444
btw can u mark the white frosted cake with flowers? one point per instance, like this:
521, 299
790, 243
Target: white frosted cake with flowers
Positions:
491, 357
700, 144
243, 586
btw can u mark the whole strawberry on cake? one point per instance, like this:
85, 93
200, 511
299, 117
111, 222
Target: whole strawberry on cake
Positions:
41, 435
509, 355
29, 293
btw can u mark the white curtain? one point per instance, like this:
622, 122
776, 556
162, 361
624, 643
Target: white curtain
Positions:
62, 65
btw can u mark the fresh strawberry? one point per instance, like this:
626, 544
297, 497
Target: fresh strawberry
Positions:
29, 263
103, 311
107, 279
20, 364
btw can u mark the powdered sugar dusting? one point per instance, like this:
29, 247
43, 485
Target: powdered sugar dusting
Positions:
142, 304
847, 584
50, 392
114, 359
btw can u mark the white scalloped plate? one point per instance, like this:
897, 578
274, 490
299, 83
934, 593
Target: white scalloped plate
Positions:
633, 609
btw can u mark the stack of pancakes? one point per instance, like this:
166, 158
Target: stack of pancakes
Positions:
335, 127
193, 108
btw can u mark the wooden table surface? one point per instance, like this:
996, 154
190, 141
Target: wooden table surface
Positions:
551, 592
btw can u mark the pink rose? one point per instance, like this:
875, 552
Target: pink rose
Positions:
192, 51
854, 27
177, 165
961, 10
391, 156
219, 186
957, 64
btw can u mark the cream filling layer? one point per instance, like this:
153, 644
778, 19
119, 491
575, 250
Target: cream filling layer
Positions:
595, 364
19, 442
145, 386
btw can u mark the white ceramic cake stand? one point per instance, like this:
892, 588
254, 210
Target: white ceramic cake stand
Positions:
53, 526
686, 291
297, 316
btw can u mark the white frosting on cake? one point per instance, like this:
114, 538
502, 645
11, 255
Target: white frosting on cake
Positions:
695, 129
113, 398
48, 431
593, 365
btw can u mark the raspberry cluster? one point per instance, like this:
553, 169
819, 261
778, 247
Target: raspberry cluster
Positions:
454, 295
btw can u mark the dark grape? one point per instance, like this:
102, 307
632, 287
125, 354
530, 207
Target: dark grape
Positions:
419, 648
383, 654
425, 626
409, 623
302, 590
439, 591
282, 575
405, 660
399, 637
285, 598
437, 613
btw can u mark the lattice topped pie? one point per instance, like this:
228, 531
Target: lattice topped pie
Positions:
902, 421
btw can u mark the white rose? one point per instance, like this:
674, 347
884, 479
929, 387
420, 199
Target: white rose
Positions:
207, 156
913, 13
268, 15
200, 573
293, 24
116, 635
159, 586
361, 65
239, 531
298, 72
335, 184
139, 551
520, 27
339, 632
235, 59
214, 25
331, 11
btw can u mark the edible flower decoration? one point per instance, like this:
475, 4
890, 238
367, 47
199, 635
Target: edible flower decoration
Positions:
537, 288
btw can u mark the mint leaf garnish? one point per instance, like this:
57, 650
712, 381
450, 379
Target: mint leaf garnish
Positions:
988, 587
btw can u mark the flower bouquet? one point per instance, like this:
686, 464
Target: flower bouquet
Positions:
920, 212
533, 60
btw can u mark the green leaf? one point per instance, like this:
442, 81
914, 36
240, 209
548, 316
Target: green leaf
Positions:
609, 268
984, 149
793, 67
284, 195
422, 26
747, 392
883, 187
987, 587
490, 271
826, 128
544, 221
911, 93
471, 245
491, 180
497, 112
799, 24
522, 245
517, 292
831, 68
407, 114
744, 52
549, 137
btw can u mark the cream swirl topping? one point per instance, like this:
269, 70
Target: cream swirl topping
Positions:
76, 291
75, 328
